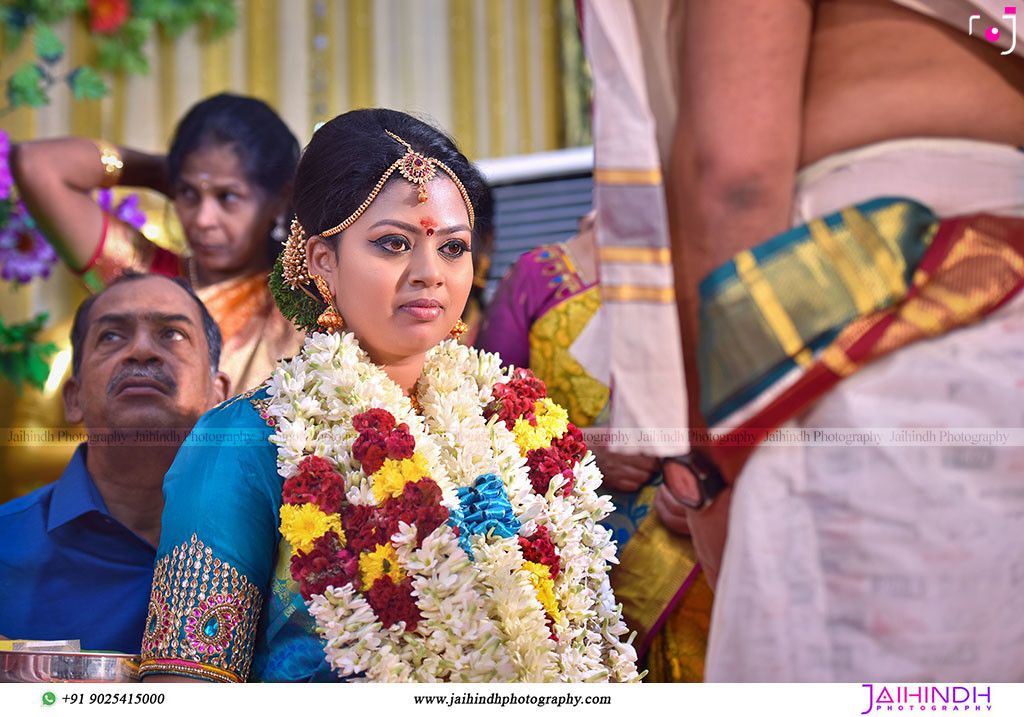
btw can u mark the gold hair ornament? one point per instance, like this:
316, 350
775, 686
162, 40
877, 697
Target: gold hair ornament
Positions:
418, 170
293, 261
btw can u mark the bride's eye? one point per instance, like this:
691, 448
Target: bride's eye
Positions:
393, 244
454, 249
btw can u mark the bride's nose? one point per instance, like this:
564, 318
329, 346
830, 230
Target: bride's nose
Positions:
425, 267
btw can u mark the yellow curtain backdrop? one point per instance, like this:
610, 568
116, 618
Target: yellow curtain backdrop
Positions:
491, 72
487, 70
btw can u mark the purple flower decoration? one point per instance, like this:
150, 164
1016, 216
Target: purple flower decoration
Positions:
6, 180
24, 253
127, 211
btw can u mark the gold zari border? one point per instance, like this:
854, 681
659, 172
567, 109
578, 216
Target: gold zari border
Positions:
649, 177
771, 308
635, 254
159, 667
634, 293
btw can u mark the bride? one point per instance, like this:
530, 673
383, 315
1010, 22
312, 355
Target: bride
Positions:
389, 505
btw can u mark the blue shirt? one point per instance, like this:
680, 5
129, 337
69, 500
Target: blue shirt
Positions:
69, 570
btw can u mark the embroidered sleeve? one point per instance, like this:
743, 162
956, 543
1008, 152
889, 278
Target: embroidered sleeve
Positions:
202, 617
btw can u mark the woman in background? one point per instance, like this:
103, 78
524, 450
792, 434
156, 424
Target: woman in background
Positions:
228, 172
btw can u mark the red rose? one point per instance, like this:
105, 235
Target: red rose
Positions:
544, 464
376, 419
538, 548
362, 526
394, 603
327, 564
508, 406
419, 505
400, 444
298, 490
515, 399
317, 482
571, 445
107, 16
370, 449
526, 383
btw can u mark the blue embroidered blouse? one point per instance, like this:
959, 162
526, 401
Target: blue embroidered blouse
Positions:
224, 606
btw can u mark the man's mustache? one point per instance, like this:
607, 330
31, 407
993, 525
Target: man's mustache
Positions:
134, 371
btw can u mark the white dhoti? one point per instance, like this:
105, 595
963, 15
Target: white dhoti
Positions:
889, 562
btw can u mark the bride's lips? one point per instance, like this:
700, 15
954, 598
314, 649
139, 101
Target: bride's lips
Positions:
423, 309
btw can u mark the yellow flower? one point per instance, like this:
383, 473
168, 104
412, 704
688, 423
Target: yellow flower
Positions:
302, 524
552, 423
540, 576
390, 480
382, 561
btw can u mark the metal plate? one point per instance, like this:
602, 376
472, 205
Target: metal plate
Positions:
68, 667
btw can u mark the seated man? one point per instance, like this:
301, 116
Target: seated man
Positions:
76, 556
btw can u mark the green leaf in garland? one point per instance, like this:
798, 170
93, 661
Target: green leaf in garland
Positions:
22, 357
137, 30
158, 10
27, 86
53, 11
49, 48
37, 366
115, 56
14, 21
109, 54
86, 84
222, 16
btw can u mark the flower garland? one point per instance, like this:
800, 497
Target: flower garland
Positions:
462, 544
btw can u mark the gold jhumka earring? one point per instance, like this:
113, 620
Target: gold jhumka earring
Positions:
458, 330
330, 320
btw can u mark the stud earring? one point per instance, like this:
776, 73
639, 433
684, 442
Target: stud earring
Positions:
330, 320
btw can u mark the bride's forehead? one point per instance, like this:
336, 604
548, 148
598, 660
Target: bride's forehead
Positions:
444, 205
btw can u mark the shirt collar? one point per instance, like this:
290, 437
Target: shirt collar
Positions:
74, 494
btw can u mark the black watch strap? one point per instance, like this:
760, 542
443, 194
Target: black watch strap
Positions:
710, 481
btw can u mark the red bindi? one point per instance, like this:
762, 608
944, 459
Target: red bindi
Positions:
428, 224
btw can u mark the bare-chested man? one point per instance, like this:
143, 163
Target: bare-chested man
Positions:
858, 563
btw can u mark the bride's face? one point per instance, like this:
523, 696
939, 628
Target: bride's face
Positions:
402, 272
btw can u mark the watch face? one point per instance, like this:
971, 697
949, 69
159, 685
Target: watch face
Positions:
682, 483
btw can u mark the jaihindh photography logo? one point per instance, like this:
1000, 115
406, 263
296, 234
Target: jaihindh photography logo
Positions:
927, 698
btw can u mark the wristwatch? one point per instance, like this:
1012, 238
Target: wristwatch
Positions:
702, 478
